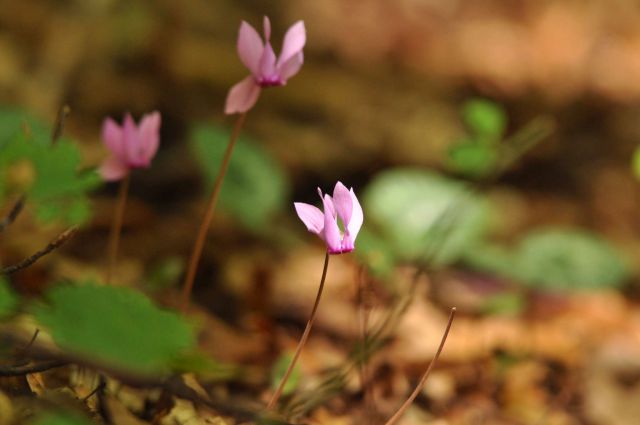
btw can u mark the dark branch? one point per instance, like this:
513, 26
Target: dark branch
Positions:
53, 245
29, 368
13, 213
59, 127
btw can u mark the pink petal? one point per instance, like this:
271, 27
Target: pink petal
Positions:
290, 67
112, 137
331, 232
266, 25
311, 216
267, 62
242, 96
149, 134
342, 202
357, 217
293, 42
131, 140
250, 47
332, 209
113, 169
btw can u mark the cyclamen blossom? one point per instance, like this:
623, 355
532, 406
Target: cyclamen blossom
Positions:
343, 205
266, 69
131, 146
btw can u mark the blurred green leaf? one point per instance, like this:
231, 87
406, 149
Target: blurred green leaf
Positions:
486, 120
568, 259
278, 371
425, 216
375, 253
15, 121
116, 325
557, 259
60, 418
8, 299
505, 304
255, 187
166, 273
473, 159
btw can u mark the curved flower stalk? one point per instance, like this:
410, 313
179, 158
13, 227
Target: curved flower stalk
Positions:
343, 205
267, 70
131, 146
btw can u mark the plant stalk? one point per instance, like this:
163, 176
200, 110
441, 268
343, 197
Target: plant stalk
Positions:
303, 339
201, 237
396, 417
116, 227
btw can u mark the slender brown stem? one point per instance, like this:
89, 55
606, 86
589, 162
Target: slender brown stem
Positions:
394, 419
13, 213
116, 227
53, 245
303, 339
208, 216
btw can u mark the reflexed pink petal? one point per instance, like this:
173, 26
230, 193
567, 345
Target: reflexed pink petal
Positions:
293, 42
149, 134
311, 216
357, 217
112, 137
242, 96
113, 169
331, 232
342, 202
130, 141
332, 209
266, 25
290, 67
250, 47
267, 67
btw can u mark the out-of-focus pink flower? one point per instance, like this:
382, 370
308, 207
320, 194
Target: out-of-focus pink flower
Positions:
266, 69
343, 205
131, 146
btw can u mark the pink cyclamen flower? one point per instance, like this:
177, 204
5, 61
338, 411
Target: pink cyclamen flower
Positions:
343, 205
266, 69
131, 146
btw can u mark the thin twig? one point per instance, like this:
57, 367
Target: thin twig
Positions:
208, 216
53, 245
101, 386
394, 419
303, 339
26, 369
13, 213
58, 129
116, 227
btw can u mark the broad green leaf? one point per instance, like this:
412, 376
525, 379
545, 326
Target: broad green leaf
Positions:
568, 259
473, 159
278, 371
116, 325
505, 304
255, 187
8, 299
60, 418
15, 121
424, 216
486, 119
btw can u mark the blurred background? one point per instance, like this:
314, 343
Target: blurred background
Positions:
490, 142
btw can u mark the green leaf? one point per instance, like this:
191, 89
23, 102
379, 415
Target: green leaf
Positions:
486, 119
8, 299
473, 159
375, 253
278, 371
505, 304
116, 325
60, 418
15, 121
255, 187
425, 216
563, 259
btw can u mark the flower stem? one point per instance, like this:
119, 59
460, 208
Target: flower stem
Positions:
303, 339
116, 227
208, 216
394, 419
